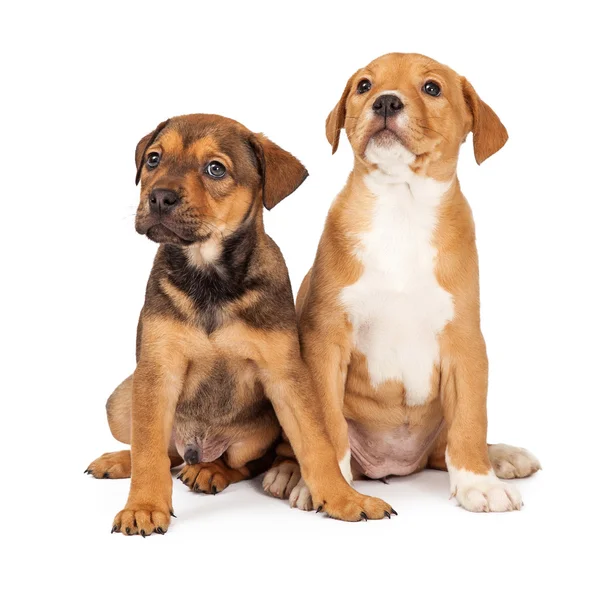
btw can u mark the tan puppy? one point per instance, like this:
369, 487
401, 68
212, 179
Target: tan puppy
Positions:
218, 357
389, 313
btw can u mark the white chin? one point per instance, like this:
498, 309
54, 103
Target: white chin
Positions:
387, 152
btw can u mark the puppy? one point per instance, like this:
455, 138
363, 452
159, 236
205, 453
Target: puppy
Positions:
218, 356
389, 313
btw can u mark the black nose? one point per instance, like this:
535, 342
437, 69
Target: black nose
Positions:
162, 200
387, 105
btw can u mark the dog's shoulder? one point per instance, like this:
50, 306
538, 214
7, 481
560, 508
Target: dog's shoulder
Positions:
269, 303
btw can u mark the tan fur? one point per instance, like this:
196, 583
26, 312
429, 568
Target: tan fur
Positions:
213, 477
459, 385
218, 354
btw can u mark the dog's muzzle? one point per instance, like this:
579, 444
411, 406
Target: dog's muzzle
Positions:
163, 201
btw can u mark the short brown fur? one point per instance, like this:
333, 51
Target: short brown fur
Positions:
218, 356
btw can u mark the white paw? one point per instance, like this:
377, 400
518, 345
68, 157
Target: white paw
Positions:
510, 462
300, 497
483, 493
280, 480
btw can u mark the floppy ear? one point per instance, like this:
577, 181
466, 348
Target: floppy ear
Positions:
142, 146
281, 172
337, 117
489, 135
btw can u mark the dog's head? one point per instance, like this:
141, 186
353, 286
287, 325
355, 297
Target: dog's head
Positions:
412, 108
204, 175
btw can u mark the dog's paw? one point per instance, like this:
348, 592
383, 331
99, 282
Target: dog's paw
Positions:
112, 465
142, 519
349, 505
300, 497
484, 493
510, 462
207, 478
281, 479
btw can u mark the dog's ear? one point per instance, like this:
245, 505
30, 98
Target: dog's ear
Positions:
281, 173
489, 135
335, 121
142, 146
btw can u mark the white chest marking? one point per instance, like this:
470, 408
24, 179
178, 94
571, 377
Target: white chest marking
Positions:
397, 308
204, 253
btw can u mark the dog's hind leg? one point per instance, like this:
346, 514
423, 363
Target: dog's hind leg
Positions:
245, 459
117, 465
510, 462
118, 411
111, 465
212, 477
284, 475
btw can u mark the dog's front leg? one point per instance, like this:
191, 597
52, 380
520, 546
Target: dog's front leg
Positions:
290, 388
464, 395
157, 385
326, 354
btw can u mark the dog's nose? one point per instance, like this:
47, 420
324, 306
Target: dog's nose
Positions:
387, 105
163, 200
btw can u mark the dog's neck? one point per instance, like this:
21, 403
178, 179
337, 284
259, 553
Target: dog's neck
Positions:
217, 268
395, 170
398, 165
228, 252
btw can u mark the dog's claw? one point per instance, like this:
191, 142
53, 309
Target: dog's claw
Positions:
114, 528
159, 530
214, 489
387, 514
320, 508
173, 514
394, 512
105, 476
363, 516
127, 530
143, 533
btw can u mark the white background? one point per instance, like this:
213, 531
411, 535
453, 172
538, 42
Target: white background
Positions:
82, 83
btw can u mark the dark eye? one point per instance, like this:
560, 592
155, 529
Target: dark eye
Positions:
152, 160
215, 169
432, 88
364, 85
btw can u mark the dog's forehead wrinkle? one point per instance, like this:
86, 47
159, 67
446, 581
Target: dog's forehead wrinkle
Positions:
405, 68
169, 140
196, 128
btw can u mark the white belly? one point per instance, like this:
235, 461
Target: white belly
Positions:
397, 307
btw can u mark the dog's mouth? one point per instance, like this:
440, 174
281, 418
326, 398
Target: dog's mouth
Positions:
161, 234
386, 137
389, 136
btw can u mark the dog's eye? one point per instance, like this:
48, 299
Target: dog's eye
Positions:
364, 85
152, 160
432, 88
215, 169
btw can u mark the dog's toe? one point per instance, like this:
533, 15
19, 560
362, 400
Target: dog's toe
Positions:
485, 493
300, 497
112, 465
510, 462
281, 479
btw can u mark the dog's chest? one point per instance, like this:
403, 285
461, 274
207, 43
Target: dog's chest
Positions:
397, 307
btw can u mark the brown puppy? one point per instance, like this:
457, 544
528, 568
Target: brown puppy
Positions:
389, 313
218, 357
